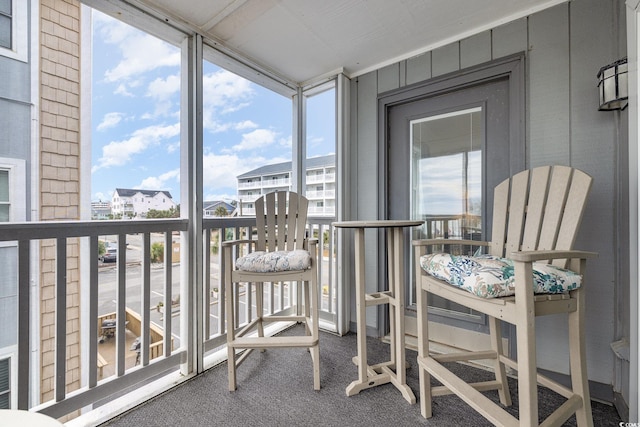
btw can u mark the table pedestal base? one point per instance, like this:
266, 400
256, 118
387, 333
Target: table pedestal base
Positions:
379, 374
394, 370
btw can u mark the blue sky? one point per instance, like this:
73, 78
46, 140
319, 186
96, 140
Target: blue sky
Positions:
136, 118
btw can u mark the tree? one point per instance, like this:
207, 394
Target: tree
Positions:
169, 213
157, 252
220, 211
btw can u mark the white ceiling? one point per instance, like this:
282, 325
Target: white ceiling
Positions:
303, 40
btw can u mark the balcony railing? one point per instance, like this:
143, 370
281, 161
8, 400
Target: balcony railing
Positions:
250, 184
172, 307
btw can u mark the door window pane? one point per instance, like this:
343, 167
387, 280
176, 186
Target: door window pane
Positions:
446, 179
447, 174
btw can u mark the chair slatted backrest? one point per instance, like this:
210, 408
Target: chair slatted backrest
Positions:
539, 209
281, 219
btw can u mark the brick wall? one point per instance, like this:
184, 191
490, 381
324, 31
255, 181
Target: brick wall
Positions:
59, 177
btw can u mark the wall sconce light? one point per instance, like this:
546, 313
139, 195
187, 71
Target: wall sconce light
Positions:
612, 86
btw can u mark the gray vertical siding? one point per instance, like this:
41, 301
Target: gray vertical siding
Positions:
565, 46
418, 68
549, 85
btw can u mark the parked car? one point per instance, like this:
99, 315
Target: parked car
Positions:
110, 255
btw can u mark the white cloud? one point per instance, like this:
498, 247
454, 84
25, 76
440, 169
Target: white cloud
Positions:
118, 153
140, 52
122, 90
173, 147
110, 120
247, 124
222, 87
220, 171
259, 138
159, 182
163, 89
224, 92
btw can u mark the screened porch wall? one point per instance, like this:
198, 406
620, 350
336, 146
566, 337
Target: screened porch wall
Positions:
564, 48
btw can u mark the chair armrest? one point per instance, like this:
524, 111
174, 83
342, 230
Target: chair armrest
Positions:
431, 242
531, 256
237, 242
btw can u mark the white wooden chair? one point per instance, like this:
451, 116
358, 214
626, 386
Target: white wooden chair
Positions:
280, 253
536, 216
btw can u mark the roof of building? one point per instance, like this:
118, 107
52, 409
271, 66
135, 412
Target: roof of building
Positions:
212, 205
312, 163
128, 192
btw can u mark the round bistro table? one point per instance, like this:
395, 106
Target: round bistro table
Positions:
394, 370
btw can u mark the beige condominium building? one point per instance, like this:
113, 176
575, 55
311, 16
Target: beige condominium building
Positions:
320, 185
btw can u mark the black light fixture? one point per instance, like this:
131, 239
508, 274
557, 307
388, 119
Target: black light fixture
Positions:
612, 86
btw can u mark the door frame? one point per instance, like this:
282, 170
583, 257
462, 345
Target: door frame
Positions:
510, 67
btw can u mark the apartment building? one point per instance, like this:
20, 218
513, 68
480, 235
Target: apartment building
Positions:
100, 210
320, 185
135, 203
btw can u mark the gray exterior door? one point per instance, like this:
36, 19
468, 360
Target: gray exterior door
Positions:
444, 153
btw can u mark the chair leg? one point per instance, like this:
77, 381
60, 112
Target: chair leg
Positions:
423, 352
577, 358
501, 375
307, 289
526, 339
312, 314
259, 287
231, 352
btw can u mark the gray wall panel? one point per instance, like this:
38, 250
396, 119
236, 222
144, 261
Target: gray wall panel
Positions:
445, 59
549, 121
593, 144
509, 38
365, 188
389, 78
475, 50
418, 68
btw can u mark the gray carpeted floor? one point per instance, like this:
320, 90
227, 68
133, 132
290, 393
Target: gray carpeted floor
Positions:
275, 388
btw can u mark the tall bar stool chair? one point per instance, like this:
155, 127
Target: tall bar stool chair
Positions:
530, 270
281, 252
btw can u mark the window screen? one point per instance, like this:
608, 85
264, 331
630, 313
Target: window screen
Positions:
5, 382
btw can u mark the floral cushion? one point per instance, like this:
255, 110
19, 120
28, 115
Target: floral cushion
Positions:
269, 262
489, 276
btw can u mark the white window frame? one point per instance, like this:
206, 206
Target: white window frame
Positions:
19, 32
17, 213
17, 188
